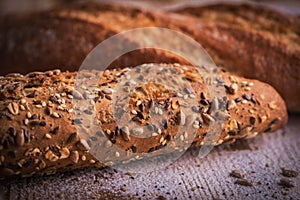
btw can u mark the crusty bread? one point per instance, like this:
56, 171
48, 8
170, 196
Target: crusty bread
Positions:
38, 133
260, 43
29, 44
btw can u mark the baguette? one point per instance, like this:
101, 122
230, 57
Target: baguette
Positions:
69, 35
265, 42
260, 43
38, 133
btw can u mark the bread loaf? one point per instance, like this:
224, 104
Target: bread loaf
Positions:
260, 43
69, 35
39, 126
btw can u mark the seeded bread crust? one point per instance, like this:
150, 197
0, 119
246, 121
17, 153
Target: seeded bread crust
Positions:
261, 43
37, 120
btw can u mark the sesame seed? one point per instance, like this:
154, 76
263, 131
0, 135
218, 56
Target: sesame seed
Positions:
156, 110
38, 106
244, 101
55, 114
29, 115
160, 112
48, 136
22, 107
127, 76
132, 82
59, 108
117, 154
192, 96
107, 91
196, 126
244, 83
92, 161
174, 105
26, 121
134, 112
159, 131
272, 105
181, 137
247, 88
108, 144
233, 88
23, 101
154, 134
161, 139
139, 102
179, 95
92, 102
57, 95
185, 134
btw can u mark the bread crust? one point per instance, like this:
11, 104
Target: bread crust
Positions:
38, 132
260, 43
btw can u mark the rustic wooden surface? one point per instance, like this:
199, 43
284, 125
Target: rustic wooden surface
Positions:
261, 159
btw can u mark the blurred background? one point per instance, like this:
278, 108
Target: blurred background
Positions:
17, 6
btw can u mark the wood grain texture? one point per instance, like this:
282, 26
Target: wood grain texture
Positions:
261, 159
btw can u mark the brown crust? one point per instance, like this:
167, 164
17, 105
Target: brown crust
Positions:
38, 135
260, 43
69, 35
